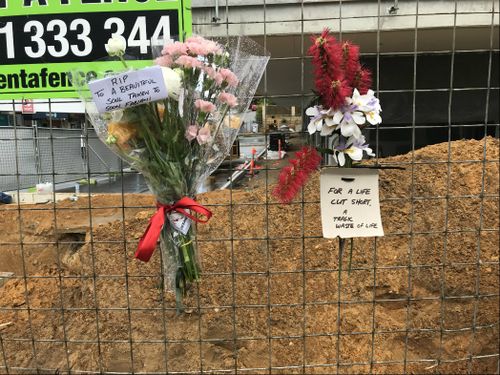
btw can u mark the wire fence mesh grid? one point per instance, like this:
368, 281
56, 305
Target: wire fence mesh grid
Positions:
422, 299
27, 154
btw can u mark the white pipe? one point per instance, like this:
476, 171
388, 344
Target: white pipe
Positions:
238, 174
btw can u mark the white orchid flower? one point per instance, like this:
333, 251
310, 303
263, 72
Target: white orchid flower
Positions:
116, 46
369, 105
339, 145
337, 117
372, 101
329, 125
356, 99
364, 103
369, 151
350, 129
354, 153
349, 117
349, 124
319, 118
351, 147
362, 145
374, 117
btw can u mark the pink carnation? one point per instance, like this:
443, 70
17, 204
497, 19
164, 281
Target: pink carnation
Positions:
213, 47
212, 73
229, 99
188, 62
165, 60
229, 77
197, 48
201, 46
209, 71
218, 79
191, 132
195, 39
203, 135
204, 106
176, 48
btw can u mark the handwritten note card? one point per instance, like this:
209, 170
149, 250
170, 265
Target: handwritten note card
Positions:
128, 89
180, 222
349, 203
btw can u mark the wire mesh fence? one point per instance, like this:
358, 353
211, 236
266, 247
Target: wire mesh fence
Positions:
422, 299
19, 156
32, 155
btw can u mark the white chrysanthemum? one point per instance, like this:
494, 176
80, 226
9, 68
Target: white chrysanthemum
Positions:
173, 82
116, 46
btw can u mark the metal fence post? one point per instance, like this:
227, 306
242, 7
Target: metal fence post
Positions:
84, 142
36, 149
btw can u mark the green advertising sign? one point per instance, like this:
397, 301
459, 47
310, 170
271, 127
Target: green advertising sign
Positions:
41, 41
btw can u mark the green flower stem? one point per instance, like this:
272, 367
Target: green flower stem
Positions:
189, 263
348, 162
196, 272
185, 251
123, 62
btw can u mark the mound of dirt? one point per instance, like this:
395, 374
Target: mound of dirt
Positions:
422, 299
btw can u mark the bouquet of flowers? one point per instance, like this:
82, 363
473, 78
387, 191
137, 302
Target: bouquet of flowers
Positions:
175, 122
345, 106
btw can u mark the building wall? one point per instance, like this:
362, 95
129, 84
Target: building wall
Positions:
434, 63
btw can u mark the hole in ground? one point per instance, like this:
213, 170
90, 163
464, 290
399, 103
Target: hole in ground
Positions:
71, 242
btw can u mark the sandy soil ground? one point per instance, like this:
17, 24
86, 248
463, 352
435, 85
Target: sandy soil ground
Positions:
422, 299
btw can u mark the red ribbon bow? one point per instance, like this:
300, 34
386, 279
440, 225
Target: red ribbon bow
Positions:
147, 243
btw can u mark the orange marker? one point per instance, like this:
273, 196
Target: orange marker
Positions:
252, 162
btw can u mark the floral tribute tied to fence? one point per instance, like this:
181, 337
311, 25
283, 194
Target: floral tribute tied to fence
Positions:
345, 105
175, 122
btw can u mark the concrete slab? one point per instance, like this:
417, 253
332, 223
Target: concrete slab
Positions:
33, 198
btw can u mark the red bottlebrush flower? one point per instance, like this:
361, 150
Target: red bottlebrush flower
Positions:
337, 71
350, 61
362, 81
326, 55
295, 175
335, 95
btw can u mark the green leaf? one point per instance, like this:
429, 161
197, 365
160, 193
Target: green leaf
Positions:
323, 150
